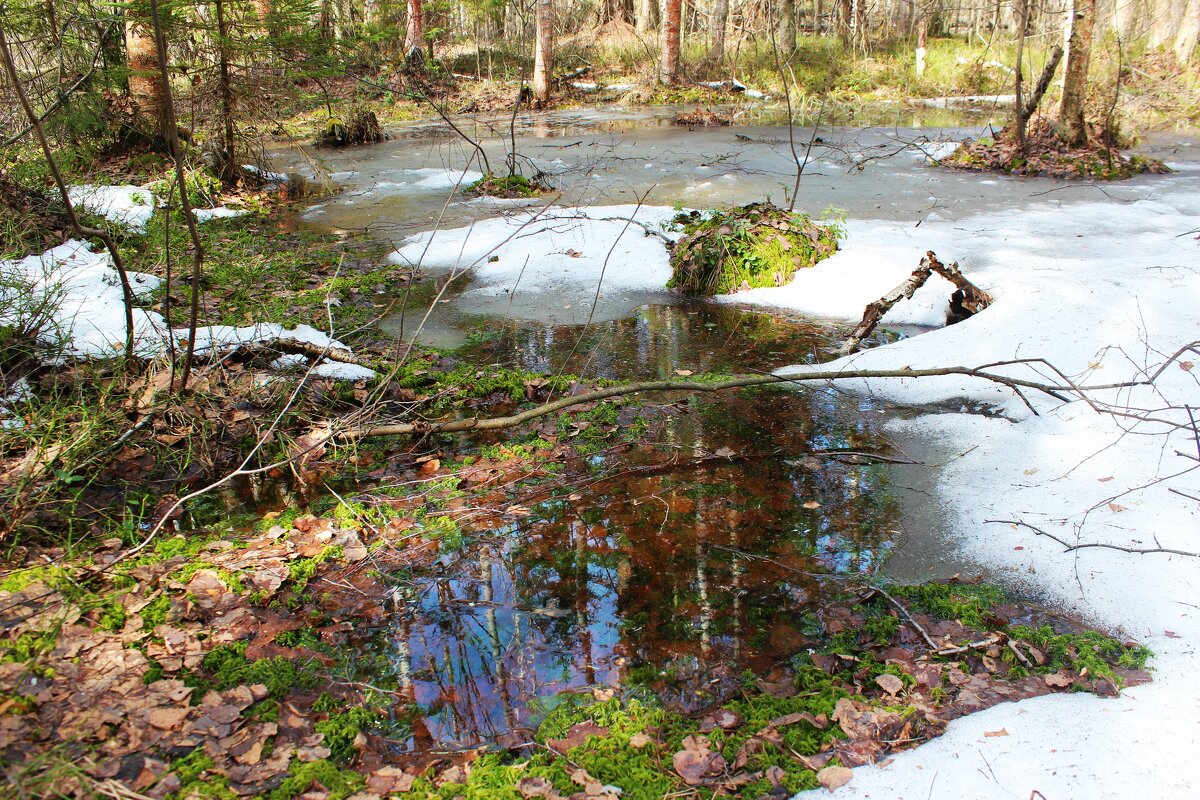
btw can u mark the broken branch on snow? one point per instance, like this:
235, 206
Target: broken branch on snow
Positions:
967, 299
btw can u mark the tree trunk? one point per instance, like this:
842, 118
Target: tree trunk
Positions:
414, 34
543, 55
145, 84
787, 27
1188, 33
229, 168
922, 34
1071, 127
670, 41
648, 15
720, 16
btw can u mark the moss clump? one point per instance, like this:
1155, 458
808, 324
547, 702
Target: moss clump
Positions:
1088, 652
228, 666
1046, 155
756, 245
339, 783
360, 127
343, 728
970, 604
196, 781
507, 186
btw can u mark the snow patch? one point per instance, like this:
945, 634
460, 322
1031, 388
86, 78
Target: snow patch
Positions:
1105, 291
549, 249
220, 212
131, 206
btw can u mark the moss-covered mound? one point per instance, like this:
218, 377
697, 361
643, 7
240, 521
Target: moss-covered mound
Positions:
1046, 155
756, 245
506, 186
362, 127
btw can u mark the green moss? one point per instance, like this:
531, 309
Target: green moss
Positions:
505, 186
196, 779
155, 613
342, 728
1088, 653
337, 782
15, 581
970, 604
227, 666
301, 570
27, 647
757, 245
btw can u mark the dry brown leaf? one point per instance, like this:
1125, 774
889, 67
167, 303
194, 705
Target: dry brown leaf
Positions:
1057, 680
639, 740
696, 763
890, 683
833, 777
993, 734
534, 786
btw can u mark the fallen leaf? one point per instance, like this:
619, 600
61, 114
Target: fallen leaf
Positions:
683, 373
1032, 471
811, 504
992, 734
1186, 366
833, 777
697, 763
890, 683
534, 786
639, 740
603, 693
1057, 680
1116, 507
1105, 480
577, 735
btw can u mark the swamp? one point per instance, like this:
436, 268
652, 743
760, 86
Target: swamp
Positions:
572, 400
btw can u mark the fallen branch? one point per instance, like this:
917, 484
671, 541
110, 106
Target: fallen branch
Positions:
641, 387
908, 614
994, 639
1068, 547
967, 299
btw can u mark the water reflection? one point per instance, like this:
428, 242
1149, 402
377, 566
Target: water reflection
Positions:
673, 571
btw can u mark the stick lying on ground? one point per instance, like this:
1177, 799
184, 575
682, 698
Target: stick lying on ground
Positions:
967, 299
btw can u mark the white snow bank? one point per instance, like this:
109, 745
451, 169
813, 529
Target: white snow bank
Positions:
427, 179
266, 174
220, 212
545, 250
131, 206
1103, 291
874, 258
88, 317
82, 285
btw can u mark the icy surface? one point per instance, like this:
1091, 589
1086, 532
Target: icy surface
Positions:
131, 206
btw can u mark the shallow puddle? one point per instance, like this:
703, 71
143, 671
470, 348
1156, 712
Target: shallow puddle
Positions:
678, 563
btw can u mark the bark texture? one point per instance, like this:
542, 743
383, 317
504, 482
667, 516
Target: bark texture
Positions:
670, 43
1071, 127
543, 55
145, 85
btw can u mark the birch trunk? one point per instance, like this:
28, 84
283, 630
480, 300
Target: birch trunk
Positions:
543, 55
